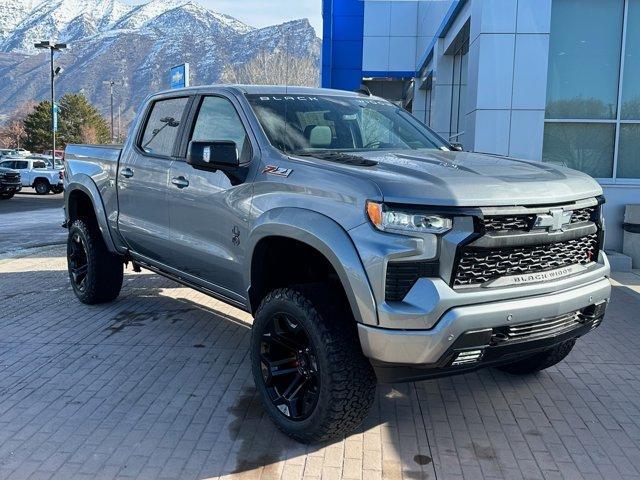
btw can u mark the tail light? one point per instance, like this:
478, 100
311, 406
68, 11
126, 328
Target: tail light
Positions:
61, 174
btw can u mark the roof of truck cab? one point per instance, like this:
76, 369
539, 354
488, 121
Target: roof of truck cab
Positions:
264, 89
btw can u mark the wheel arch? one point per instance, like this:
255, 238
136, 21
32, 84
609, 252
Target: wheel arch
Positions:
324, 236
37, 179
82, 198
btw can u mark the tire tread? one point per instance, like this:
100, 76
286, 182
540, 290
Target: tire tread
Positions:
106, 270
353, 383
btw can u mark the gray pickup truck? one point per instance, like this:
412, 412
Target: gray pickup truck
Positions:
366, 247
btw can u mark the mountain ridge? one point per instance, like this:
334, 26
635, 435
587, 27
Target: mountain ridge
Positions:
133, 45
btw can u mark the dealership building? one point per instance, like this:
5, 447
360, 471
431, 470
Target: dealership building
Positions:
549, 80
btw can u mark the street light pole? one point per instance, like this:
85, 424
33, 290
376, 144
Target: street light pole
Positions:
52, 47
111, 83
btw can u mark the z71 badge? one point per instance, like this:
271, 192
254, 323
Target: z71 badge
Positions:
276, 170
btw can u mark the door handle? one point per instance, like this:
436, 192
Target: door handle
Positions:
126, 172
180, 182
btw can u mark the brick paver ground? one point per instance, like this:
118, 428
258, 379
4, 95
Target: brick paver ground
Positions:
157, 385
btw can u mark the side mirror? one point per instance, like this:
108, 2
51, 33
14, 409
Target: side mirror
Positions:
218, 155
457, 147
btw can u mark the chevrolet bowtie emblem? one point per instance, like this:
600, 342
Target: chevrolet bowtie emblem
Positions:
554, 221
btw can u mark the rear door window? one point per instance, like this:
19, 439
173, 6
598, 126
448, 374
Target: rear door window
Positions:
39, 164
161, 129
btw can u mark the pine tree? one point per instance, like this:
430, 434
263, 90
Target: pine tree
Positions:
78, 122
37, 127
77, 117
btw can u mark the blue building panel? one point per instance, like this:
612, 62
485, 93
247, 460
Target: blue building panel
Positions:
342, 43
344, 79
347, 54
348, 7
348, 27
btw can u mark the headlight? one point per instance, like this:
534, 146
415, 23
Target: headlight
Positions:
390, 219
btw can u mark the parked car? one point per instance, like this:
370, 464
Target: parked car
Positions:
365, 245
9, 183
35, 173
23, 152
8, 152
59, 163
59, 153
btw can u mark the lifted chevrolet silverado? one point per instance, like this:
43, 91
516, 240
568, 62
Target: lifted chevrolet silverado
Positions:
365, 246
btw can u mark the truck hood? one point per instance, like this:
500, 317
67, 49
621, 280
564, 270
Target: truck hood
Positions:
434, 177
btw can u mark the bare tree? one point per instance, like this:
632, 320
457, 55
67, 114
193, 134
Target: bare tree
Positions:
89, 134
12, 131
276, 68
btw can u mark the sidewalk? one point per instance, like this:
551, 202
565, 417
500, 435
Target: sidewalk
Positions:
158, 385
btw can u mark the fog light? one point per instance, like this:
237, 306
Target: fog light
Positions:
469, 356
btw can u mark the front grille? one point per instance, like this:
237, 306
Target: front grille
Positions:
583, 215
544, 328
10, 176
401, 276
505, 223
509, 222
479, 266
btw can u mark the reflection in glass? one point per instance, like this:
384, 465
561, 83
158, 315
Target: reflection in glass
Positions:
587, 147
631, 79
584, 58
629, 151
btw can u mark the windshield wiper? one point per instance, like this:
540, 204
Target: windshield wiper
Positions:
339, 157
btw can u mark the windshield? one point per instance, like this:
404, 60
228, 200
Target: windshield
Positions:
320, 123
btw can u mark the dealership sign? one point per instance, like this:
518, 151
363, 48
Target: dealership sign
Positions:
180, 76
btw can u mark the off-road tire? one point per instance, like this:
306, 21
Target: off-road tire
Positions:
42, 187
347, 381
105, 271
6, 196
540, 361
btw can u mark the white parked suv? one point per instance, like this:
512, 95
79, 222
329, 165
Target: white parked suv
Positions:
35, 173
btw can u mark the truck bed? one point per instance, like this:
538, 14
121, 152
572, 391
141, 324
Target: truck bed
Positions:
92, 153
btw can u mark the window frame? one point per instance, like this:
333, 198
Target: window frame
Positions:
147, 115
618, 121
192, 117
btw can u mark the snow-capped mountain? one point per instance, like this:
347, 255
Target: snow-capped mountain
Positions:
134, 45
12, 12
51, 19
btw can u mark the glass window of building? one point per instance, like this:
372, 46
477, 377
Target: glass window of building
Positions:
593, 88
587, 147
584, 58
459, 51
628, 161
631, 78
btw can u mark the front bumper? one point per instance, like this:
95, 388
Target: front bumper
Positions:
402, 355
10, 187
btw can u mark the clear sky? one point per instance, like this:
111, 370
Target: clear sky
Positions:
261, 13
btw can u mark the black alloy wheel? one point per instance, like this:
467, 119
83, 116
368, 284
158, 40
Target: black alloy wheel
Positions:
78, 263
289, 367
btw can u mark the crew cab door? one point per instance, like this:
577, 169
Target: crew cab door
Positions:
209, 209
143, 180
